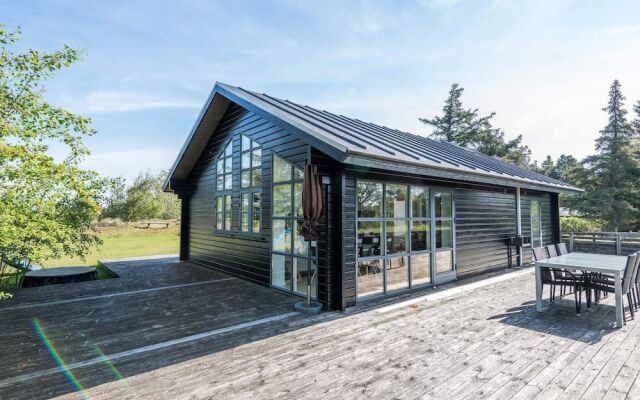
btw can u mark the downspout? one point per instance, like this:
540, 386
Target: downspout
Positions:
519, 224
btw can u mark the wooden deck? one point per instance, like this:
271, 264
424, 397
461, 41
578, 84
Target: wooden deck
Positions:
233, 340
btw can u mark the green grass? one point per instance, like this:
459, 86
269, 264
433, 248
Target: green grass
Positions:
126, 242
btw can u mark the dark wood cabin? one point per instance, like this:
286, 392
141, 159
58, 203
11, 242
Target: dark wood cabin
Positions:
402, 212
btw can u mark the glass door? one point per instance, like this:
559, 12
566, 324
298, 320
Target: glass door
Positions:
443, 241
536, 224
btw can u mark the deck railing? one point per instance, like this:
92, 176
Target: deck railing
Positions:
621, 243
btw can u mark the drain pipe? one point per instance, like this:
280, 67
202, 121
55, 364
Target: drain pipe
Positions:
519, 224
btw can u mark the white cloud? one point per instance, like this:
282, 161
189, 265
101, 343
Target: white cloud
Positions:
621, 29
122, 101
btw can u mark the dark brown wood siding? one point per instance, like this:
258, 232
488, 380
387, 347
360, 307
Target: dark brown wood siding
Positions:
248, 256
485, 218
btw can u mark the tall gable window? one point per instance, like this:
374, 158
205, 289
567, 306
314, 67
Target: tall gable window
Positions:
250, 184
224, 184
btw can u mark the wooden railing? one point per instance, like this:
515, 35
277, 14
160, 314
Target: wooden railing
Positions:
621, 243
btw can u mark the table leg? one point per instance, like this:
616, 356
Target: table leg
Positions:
538, 288
619, 306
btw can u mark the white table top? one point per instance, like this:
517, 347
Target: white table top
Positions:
586, 262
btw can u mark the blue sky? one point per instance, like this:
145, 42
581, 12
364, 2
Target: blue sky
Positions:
543, 66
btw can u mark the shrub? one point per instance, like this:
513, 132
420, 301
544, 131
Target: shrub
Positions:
580, 224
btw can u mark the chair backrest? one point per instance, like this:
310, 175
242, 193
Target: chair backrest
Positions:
629, 272
552, 250
562, 248
539, 253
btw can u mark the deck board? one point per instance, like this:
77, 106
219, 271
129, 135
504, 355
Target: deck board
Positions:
487, 343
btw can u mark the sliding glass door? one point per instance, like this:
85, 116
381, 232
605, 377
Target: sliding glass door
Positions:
396, 247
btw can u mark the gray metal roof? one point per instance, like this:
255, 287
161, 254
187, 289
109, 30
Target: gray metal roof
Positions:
366, 143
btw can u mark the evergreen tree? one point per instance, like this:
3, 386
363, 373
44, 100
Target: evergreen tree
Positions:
466, 128
636, 121
611, 181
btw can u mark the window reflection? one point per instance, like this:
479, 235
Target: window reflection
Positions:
397, 273
396, 200
420, 269
370, 277
369, 238
443, 205
369, 196
420, 202
396, 237
420, 235
444, 234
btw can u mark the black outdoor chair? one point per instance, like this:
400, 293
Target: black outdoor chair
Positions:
605, 283
551, 249
562, 249
553, 252
558, 277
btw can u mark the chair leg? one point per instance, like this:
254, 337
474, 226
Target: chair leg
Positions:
578, 297
588, 296
630, 305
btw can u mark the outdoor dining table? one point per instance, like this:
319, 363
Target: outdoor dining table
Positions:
587, 262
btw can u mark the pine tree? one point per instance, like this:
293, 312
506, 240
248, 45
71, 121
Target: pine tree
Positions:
611, 183
466, 128
636, 121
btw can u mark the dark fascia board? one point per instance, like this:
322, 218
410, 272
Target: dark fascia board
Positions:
453, 174
219, 91
198, 137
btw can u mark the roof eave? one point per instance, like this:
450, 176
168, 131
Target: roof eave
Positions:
376, 161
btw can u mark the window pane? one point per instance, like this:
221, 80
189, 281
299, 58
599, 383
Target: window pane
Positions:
228, 181
420, 269
245, 179
444, 261
228, 165
298, 174
220, 182
369, 200
244, 202
218, 212
244, 223
282, 200
281, 271
369, 238
397, 273
535, 224
257, 177
256, 158
443, 205
245, 160
246, 143
419, 202
444, 234
300, 247
229, 149
300, 276
396, 237
281, 170
256, 212
420, 235
227, 213
220, 166
297, 200
281, 233
396, 201
370, 277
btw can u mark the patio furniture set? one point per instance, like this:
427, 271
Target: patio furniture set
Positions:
594, 274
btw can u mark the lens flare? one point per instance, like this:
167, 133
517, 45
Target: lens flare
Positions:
56, 357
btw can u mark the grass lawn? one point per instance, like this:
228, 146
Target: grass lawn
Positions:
126, 242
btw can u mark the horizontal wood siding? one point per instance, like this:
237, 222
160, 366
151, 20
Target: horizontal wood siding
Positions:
248, 256
349, 248
484, 220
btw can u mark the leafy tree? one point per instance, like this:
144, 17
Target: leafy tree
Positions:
611, 178
580, 224
114, 199
144, 199
466, 128
47, 206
